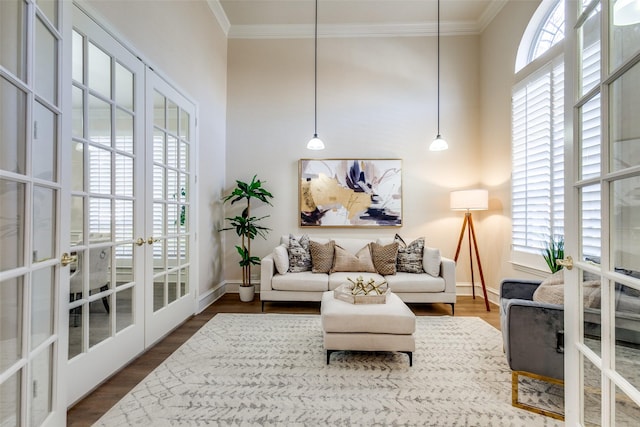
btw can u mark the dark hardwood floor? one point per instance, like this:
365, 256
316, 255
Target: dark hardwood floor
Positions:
92, 407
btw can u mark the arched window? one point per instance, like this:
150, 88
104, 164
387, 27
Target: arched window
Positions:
537, 186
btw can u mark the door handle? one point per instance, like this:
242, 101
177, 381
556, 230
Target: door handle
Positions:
566, 263
68, 259
151, 240
140, 241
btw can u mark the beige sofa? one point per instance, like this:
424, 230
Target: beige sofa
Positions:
309, 286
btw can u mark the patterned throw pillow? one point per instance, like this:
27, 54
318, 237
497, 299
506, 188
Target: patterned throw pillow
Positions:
410, 256
321, 256
299, 255
384, 257
360, 262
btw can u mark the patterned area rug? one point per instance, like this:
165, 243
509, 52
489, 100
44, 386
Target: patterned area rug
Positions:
270, 369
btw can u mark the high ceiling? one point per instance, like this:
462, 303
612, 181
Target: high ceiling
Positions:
282, 18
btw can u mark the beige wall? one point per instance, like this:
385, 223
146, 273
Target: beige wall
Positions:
499, 45
376, 99
186, 45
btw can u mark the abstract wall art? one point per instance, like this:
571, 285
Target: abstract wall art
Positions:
350, 192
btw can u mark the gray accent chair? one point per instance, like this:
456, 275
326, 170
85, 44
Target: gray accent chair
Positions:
533, 337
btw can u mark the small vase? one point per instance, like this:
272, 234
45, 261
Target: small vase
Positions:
247, 293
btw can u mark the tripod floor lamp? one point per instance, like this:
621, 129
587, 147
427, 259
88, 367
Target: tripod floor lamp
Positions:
471, 200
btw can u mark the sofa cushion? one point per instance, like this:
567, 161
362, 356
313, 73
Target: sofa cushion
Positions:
411, 282
337, 279
551, 291
431, 261
351, 244
305, 281
384, 257
299, 255
361, 261
321, 256
281, 259
410, 256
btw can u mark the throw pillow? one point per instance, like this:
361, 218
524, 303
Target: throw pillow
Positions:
551, 291
360, 262
281, 259
321, 256
431, 261
384, 258
299, 256
410, 256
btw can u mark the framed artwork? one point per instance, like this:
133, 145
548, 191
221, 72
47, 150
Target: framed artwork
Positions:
350, 192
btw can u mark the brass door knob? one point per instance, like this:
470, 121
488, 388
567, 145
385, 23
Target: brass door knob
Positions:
68, 259
140, 241
151, 240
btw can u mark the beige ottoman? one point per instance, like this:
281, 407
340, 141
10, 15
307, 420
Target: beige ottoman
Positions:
367, 327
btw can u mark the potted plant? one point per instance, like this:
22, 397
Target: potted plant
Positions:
553, 252
247, 227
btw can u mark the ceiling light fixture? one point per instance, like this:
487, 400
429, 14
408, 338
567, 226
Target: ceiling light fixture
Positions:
315, 143
438, 144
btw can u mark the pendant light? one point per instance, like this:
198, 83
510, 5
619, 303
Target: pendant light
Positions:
315, 143
438, 144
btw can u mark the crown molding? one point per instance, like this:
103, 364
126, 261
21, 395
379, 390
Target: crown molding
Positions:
352, 30
220, 15
490, 13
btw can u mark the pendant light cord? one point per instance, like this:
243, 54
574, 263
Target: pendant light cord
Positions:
438, 68
315, 74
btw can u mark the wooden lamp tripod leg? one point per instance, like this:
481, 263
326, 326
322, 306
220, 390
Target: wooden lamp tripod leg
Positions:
472, 236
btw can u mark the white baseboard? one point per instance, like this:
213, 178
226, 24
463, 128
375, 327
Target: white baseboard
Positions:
211, 296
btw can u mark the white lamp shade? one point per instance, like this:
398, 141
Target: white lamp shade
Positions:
315, 143
626, 12
469, 200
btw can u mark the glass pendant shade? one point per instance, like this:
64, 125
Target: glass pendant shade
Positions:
438, 144
315, 143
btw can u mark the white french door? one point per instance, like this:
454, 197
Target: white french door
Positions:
32, 133
106, 286
170, 207
603, 195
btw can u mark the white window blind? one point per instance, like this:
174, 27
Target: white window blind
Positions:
538, 168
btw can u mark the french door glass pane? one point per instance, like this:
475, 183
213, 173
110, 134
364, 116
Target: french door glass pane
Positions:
45, 143
184, 125
99, 320
13, 103
172, 286
77, 112
124, 87
158, 146
627, 412
123, 220
99, 71
124, 309
10, 392
42, 298
625, 224
184, 281
41, 383
591, 223
124, 131
76, 328
77, 57
77, 165
99, 121
625, 34
50, 10
124, 175
124, 264
99, 170
591, 393
172, 117
590, 159
590, 52
12, 198
158, 293
46, 63
158, 109
11, 294
44, 220
624, 123
12, 33
99, 219
77, 220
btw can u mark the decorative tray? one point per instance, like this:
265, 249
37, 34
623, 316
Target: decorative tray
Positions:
360, 292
